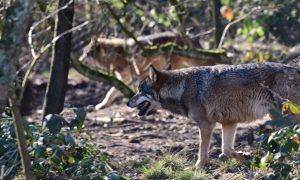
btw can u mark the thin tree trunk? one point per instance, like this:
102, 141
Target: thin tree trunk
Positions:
15, 23
217, 23
15, 108
56, 89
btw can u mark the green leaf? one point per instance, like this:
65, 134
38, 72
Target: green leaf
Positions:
69, 139
54, 123
260, 31
114, 176
118, 4
79, 118
60, 168
38, 151
57, 156
294, 108
71, 160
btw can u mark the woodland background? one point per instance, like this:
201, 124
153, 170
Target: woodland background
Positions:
50, 129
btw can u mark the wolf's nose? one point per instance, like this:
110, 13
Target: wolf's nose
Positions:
128, 104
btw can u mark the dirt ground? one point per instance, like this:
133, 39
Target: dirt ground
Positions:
124, 136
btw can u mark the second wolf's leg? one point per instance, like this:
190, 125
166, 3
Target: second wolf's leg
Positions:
110, 96
112, 93
205, 133
228, 138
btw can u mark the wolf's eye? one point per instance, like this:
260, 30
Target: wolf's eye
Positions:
143, 88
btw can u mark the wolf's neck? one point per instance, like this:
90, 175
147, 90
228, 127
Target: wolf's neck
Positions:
171, 97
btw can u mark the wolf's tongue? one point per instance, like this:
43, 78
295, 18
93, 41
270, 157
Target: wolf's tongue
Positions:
143, 107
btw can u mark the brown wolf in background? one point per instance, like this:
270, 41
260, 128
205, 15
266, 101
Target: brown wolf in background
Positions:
227, 94
112, 53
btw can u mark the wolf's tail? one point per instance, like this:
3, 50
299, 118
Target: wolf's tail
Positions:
287, 83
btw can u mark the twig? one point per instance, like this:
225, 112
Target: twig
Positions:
203, 33
37, 56
117, 19
38, 23
234, 22
15, 164
41, 32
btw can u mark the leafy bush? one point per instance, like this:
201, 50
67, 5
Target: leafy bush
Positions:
282, 149
53, 150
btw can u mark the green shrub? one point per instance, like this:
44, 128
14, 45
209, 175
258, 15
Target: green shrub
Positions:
281, 149
53, 150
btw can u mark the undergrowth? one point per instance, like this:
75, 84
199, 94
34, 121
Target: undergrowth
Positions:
173, 167
54, 152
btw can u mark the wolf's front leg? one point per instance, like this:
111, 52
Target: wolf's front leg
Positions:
205, 133
228, 138
109, 98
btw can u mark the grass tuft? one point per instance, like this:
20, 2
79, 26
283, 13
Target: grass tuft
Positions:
228, 165
173, 167
156, 172
190, 174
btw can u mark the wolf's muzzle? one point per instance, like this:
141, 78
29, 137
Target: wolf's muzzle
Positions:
130, 104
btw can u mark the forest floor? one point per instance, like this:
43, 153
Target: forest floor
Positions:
127, 138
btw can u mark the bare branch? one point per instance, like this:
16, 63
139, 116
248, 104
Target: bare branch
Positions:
203, 33
117, 19
37, 56
234, 22
38, 23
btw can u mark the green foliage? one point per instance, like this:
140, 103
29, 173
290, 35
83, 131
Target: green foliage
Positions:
283, 155
190, 174
158, 171
8, 148
53, 150
291, 106
173, 167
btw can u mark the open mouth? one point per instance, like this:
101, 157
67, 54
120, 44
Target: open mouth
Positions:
143, 107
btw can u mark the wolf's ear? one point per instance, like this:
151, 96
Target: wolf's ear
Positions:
153, 73
169, 67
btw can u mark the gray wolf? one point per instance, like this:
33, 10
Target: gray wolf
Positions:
114, 53
225, 94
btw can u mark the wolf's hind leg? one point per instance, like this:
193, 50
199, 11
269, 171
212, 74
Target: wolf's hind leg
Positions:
109, 98
205, 133
228, 138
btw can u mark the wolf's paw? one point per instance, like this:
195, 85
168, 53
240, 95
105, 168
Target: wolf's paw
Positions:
239, 156
223, 157
232, 154
200, 164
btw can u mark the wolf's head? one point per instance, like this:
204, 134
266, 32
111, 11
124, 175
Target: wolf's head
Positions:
147, 97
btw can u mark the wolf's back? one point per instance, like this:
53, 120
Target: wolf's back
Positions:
245, 91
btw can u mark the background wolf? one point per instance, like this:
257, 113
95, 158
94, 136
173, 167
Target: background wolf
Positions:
227, 94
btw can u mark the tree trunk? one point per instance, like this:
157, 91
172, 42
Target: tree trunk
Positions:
56, 88
13, 34
217, 23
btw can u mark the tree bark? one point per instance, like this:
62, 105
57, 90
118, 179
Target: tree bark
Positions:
13, 34
217, 23
56, 88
